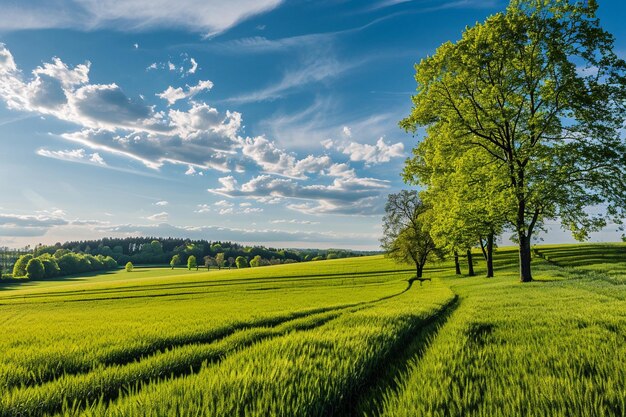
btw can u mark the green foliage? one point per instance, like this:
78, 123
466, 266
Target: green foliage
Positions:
51, 266
175, 261
191, 262
255, 262
219, 260
19, 268
241, 262
129, 267
406, 234
35, 269
509, 93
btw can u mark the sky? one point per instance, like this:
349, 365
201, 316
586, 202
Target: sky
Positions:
257, 121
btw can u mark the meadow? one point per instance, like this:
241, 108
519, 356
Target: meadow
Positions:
346, 337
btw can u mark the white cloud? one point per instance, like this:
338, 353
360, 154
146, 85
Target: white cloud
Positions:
345, 195
346, 132
131, 15
203, 208
277, 161
172, 95
97, 159
73, 155
159, 217
294, 221
223, 203
327, 143
136, 45
224, 207
194, 66
374, 154
161, 203
198, 137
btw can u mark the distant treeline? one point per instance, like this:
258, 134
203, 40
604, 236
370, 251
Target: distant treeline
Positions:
152, 250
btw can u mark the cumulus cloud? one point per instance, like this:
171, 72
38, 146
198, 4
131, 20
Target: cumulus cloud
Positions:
277, 161
161, 203
198, 137
373, 154
172, 95
327, 143
345, 195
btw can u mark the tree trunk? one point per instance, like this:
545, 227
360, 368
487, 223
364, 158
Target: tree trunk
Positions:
419, 269
524, 258
457, 265
489, 255
482, 247
470, 263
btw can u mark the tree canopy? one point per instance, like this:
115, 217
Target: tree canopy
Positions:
539, 96
406, 236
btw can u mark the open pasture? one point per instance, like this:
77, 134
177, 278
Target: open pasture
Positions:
341, 337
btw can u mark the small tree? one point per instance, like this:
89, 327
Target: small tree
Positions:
219, 260
175, 261
191, 263
241, 262
231, 262
255, 262
209, 261
405, 231
129, 266
35, 269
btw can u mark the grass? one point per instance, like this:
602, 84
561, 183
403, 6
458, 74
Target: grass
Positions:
333, 338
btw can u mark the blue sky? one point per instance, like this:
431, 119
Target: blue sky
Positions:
258, 121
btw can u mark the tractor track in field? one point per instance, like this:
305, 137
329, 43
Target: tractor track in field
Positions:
84, 388
392, 370
121, 292
100, 391
120, 358
196, 284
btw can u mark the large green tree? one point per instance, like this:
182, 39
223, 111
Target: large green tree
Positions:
540, 92
406, 236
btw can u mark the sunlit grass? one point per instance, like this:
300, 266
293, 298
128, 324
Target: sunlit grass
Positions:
341, 337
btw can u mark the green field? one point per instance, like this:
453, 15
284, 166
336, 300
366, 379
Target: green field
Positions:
344, 337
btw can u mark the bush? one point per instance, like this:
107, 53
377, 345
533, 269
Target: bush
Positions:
35, 269
19, 269
50, 266
129, 266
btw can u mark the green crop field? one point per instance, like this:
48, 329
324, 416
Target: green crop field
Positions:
344, 337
